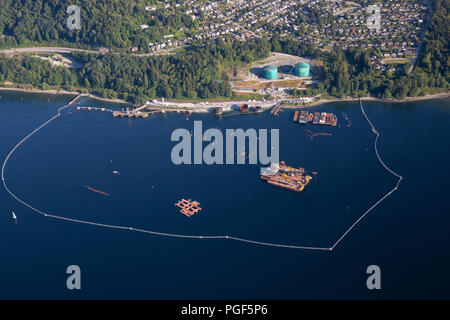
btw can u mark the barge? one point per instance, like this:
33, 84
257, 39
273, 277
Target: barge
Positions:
188, 207
218, 110
287, 177
244, 108
316, 118
303, 117
257, 109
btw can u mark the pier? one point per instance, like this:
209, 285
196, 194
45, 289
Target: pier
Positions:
133, 113
304, 117
94, 109
130, 114
75, 99
121, 114
311, 135
276, 109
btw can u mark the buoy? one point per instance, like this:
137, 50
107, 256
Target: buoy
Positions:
14, 217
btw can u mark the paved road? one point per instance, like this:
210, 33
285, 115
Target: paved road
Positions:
45, 50
422, 36
70, 50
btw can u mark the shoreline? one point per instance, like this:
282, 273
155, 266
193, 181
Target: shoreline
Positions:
62, 91
286, 106
391, 100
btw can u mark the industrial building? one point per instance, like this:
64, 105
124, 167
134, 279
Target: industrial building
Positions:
301, 69
270, 72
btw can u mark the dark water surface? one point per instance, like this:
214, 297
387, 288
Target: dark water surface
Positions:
407, 235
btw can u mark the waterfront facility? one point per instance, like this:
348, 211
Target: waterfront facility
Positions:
270, 72
302, 69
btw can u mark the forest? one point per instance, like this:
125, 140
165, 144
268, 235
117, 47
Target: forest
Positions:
350, 72
197, 73
104, 23
203, 72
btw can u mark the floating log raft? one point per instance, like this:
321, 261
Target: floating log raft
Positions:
287, 177
188, 207
311, 135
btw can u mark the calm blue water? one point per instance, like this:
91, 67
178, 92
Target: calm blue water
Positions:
407, 235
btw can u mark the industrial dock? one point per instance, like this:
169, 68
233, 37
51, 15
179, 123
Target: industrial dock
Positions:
287, 177
155, 107
130, 113
275, 110
243, 108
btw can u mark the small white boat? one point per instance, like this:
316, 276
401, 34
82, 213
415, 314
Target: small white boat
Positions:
14, 217
116, 172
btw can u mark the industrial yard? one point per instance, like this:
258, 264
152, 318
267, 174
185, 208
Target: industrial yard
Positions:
278, 75
273, 78
284, 176
284, 62
323, 118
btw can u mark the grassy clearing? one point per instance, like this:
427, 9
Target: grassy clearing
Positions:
395, 61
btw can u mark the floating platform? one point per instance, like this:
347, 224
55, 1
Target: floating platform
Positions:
120, 114
188, 207
257, 109
288, 178
316, 118
94, 109
244, 108
303, 117
324, 118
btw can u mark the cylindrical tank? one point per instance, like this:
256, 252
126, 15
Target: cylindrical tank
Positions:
270, 72
301, 69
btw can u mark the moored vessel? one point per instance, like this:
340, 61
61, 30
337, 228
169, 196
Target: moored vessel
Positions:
316, 117
323, 116
257, 109
303, 117
218, 110
287, 177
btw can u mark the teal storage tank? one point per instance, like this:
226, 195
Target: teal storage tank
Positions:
270, 72
301, 69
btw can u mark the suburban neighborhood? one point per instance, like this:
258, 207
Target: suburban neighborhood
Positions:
327, 24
